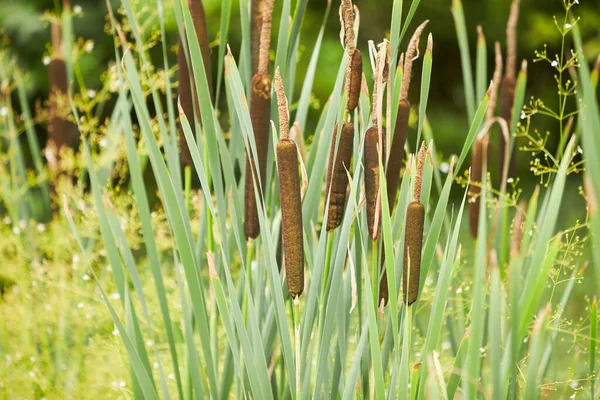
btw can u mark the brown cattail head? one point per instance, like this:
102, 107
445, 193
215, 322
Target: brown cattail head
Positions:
517, 234
260, 111
507, 97
61, 132
396, 158
348, 19
413, 46
371, 163
354, 80
291, 215
419, 175
291, 203
187, 83
475, 180
337, 176
413, 242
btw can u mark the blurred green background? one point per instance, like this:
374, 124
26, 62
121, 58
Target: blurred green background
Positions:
28, 32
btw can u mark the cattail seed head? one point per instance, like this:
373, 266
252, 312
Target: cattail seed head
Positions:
507, 97
371, 162
396, 159
354, 80
291, 215
260, 111
408, 60
337, 177
291, 203
413, 242
475, 186
256, 24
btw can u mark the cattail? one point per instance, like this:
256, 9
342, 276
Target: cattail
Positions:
354, 70
413, 239
396, 157
289, 191
187, 86
260, 115
337, 177
507, 93
371, 162
61, 132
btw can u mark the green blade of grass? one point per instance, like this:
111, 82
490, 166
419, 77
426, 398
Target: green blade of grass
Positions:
465, 57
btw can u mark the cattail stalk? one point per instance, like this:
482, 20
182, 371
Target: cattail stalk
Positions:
61, 132
187, 87
291, 204
260, 115
337, 176
507, 92
396, 157
413, 239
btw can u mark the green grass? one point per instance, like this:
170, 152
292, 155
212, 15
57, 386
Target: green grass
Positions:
142, 284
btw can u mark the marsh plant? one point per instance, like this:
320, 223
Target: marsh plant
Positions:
227, 246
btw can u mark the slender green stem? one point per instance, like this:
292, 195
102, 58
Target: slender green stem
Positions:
188, 187
327, 264
375, 272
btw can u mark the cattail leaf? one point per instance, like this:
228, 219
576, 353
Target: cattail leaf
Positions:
425, 83
465, 57
538, 335
473, 130
223, 34
481, 81
495, 330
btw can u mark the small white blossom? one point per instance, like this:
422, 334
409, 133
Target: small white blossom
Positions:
16, 230
80, 305
103, 142
7, 220
77, 9
444, 167
568, 26
554, 63
41, 227
510, 180
89, 46
91, 93
115, 332
115, 296
86, 277
46, 60
4, 111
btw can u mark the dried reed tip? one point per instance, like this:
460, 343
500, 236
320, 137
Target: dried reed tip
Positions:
337, 175
282, 106
291, 215
475, 179
353, 80
524, 66
495, 83
379, 80
348, 17
517, 234
419, 175
480, 35
409, 58
371, 163
364, 87
511, 39
57, 40
429, 43
66, 5
413, 243
265, 37
401, 62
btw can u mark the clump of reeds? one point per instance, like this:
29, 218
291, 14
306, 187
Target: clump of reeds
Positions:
396, 156
413, 236
476, 178
507, 92
289, 192
337, 176
187, 87
61, 132
260, 111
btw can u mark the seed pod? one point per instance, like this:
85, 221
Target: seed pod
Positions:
474, 187
392, 173
413, 242
337, 177
372, 180
355, 81
291, 215
260, 111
